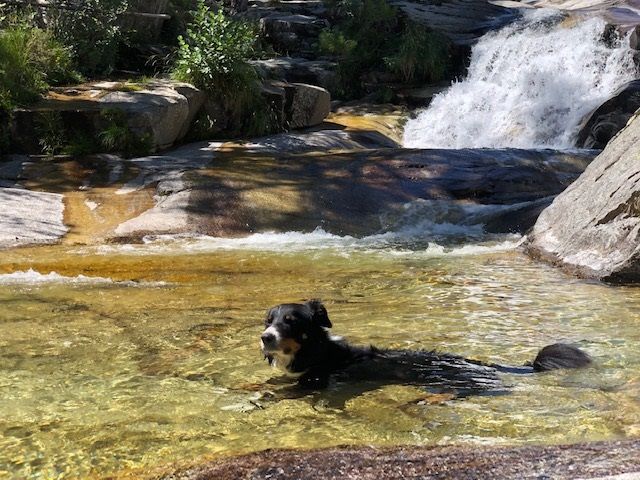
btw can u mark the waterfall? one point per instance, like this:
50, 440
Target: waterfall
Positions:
529, 85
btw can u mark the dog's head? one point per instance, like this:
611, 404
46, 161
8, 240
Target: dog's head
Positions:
290, 327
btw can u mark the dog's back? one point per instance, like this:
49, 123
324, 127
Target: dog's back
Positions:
296, 339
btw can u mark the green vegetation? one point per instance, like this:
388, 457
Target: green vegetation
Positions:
116, 136
31, 60
213, 55
92, 31
373, 40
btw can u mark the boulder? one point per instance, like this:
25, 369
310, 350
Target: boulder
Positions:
298, 105
308, 105
160, 110
593, 228
609, 118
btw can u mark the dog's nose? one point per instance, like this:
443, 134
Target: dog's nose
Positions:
268, 338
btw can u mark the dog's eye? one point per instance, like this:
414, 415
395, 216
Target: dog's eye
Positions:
288, 318
269, 320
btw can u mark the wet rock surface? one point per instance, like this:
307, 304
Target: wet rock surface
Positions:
593, 228
346, 182
611, 117
580, 461
350, 193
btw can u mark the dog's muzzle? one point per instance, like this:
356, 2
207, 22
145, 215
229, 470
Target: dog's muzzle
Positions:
270, 340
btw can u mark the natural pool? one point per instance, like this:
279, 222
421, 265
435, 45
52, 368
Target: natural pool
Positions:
132, 360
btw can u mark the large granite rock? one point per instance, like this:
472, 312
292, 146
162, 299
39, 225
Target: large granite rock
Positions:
609, 118
355, 193
30, 217
593, 228
159, 110
462, 21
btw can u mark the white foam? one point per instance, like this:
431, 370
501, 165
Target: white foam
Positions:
33, 277
529, 85
432, 228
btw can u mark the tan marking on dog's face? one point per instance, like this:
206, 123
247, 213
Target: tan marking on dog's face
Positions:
289, 346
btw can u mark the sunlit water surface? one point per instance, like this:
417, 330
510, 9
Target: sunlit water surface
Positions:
155, 364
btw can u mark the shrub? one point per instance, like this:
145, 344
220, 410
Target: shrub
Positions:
372, 36
213, 55
420, 55
116, 136
31, 60
92, 30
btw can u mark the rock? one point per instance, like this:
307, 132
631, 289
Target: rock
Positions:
28, 217
634, 38
353, 193
462, 21
609, 118
145, 18
298, 105
308, 105
593, 228
583, 460
422, 96
161, 109
320, 141
292, 32
298, 70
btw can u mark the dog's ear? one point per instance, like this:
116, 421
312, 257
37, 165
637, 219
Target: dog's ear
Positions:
319, 313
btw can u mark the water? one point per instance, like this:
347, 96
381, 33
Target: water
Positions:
131, 360
529, 85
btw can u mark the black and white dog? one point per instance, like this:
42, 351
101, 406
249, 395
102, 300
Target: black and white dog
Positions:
296, 340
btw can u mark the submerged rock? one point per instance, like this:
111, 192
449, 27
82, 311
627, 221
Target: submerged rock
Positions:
585, 461
593, 228
610, 117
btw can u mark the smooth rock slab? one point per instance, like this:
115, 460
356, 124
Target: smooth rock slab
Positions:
593, 228
581, 461
357, 193
28, 217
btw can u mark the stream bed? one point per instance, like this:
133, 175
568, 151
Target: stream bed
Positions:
131, 360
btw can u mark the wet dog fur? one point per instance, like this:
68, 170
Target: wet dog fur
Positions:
296, 340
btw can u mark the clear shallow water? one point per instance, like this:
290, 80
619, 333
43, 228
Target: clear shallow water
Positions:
156, 363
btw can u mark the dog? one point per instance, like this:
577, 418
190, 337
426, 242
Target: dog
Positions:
296, 339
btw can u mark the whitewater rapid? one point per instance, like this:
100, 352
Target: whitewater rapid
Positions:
529, 85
